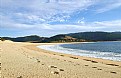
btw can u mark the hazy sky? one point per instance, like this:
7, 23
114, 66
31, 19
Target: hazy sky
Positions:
50, 17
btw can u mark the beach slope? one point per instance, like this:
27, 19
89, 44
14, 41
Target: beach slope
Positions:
25, 60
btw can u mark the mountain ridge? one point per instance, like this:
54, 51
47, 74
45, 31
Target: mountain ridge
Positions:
71, 37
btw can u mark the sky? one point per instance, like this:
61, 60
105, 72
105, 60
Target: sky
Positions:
50, 17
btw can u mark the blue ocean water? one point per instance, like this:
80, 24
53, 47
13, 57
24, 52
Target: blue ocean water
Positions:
104, 50
96, 46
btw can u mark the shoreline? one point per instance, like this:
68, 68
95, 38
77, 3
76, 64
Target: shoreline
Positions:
54, 48
27, 61
100, 60
72, 54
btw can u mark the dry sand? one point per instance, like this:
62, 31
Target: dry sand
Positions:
25, 60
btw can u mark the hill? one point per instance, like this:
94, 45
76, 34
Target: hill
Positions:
62, 38
32, 38
71, 37
97, 36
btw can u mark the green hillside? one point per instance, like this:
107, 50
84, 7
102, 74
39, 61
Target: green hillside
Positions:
72, 37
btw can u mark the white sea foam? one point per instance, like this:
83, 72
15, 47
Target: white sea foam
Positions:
95, 54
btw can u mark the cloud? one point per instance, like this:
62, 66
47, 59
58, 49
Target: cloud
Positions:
49, 30
114, 25
38, 15
108, 5
81, 21
42, 10
47, 11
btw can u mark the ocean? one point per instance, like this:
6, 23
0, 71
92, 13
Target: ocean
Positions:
104, 50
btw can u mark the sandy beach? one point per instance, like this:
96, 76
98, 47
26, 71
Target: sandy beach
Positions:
25, 60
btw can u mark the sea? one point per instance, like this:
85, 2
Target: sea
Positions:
110, 50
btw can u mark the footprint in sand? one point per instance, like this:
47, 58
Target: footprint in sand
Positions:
61, 55
54, 72
58, 59
70, 61
52, 66
91, 61
113, 72
0, 49
94, 67
61, 69
74, 57
86, 65
38, 60
0, 66
20, 77
64, 60
77, 64
42, 64
112, 64
99, 69
86, 60
57, 72
94, 61
31, 58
